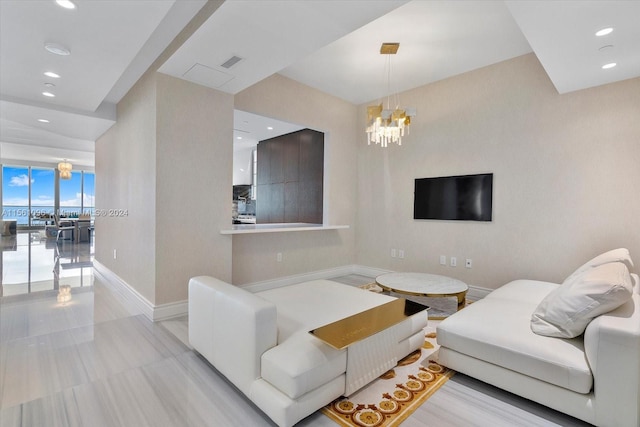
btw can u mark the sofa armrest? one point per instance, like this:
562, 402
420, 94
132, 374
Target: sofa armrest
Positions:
231, 328
612, 346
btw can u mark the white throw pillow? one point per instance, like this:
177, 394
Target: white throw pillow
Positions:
566, 311
614, 255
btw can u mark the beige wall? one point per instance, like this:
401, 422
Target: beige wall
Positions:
167, 161
254, 256
566, 170
125, 179
193, 185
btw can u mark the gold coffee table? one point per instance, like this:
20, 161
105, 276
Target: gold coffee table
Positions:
424, 285
344, 332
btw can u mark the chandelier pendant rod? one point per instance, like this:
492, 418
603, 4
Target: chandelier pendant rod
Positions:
388, 81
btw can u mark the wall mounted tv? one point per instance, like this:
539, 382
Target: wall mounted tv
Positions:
458, 198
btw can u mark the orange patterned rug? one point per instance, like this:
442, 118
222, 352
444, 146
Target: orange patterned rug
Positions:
394, 396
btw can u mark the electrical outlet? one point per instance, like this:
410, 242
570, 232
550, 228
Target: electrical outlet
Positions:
279, 257
400, 253
468, 263
443, 260
393, 253
453, 262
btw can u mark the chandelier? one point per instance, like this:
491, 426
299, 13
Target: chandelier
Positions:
385, 125
65, 169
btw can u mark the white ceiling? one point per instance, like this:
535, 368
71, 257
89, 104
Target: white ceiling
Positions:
249, 129
269, 36
330, 45
438, 39
566, 46
111, 42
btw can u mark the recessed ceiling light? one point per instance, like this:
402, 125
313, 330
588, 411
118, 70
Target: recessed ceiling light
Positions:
49, 84
238, 137
609, 65
604, 31
52, 75
67, 4
43, 120
49, 94
58, 49
269, 128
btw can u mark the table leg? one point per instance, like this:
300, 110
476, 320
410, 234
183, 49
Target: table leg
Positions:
462, 300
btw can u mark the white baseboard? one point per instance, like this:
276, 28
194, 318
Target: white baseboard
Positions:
135, 300
180, 308
298, 278
364, 270
170, 310
475, 292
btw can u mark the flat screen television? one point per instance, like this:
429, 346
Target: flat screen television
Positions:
458, 198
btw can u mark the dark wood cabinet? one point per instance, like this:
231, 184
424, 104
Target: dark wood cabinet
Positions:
291, 158
290, 175
263, 174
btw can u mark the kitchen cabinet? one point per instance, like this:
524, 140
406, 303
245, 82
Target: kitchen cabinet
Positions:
290, 178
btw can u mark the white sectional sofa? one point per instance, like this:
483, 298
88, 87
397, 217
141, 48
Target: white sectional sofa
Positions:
594, 376
261, 342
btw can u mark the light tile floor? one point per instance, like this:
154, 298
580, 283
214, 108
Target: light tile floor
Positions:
31, 263
95, 362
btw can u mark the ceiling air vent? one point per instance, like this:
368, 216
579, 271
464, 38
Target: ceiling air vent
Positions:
231, 62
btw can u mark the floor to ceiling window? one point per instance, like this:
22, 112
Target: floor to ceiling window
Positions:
28, 194
42, 196
77, 195
32, 260
15, 193
89, 193
71, 194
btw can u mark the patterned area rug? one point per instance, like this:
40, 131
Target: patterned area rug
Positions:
394, 396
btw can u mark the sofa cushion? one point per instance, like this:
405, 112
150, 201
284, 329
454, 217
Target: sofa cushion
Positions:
567, 311
614, 255
309, 305
497, 331
302, 363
